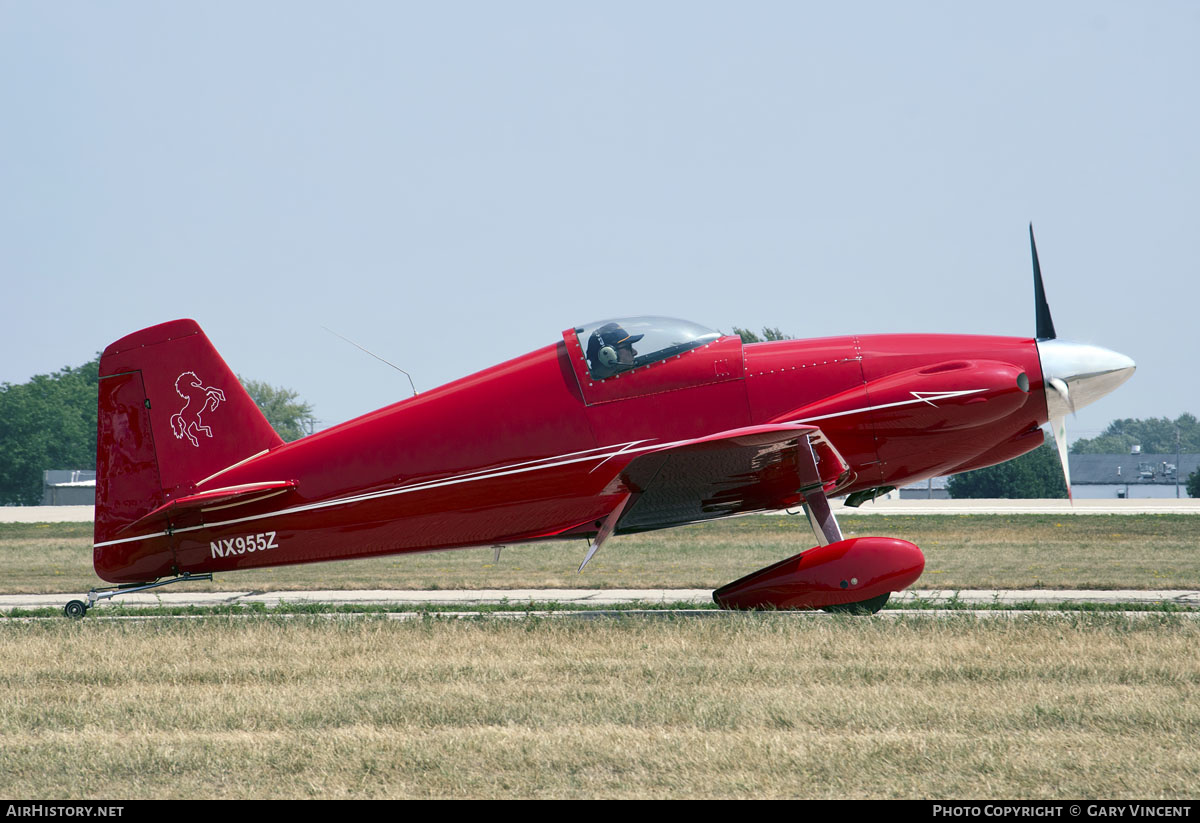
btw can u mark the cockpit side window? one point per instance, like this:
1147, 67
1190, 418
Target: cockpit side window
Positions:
615, 346
610, 350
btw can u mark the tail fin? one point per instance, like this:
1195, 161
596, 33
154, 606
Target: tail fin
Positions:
171, 414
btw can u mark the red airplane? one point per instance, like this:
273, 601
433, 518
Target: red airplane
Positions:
622, 426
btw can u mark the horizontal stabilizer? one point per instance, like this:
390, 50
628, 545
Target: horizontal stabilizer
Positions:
212, 499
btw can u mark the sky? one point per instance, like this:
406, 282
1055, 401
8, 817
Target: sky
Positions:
454, 184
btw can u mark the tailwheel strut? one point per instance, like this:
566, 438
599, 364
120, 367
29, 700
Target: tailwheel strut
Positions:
77, 608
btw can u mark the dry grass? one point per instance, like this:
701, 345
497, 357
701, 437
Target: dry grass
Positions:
978, 551
736, 706
731, 706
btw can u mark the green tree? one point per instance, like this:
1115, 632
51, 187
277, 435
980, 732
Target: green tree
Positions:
50, 423
768, 334
47, 423
1193, 484
1037, 474
1156, 435
291, 417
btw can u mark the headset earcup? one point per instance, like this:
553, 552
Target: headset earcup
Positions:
607, 356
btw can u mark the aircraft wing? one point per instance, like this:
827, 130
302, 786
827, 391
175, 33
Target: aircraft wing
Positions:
757, 468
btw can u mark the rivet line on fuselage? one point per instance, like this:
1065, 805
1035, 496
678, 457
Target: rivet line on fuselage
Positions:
808, 365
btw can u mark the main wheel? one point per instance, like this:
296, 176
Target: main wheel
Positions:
75, 609
861, 607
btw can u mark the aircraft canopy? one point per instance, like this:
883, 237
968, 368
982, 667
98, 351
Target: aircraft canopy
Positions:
613, 346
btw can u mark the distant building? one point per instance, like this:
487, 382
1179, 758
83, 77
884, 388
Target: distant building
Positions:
1137, 475
1100, 476
931, 489
68, 487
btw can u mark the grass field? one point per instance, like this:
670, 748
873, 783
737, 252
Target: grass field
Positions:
735, 706
1089, 706
962, 552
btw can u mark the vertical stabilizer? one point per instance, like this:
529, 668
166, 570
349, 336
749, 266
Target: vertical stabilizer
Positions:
171, 413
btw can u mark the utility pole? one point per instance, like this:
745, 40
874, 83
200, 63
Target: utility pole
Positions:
1177, 462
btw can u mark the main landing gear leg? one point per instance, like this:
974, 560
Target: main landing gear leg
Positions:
827, 530
77, 608
855, 575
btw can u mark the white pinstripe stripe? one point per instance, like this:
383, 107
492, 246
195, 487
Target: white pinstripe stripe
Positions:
926, 397
484, 474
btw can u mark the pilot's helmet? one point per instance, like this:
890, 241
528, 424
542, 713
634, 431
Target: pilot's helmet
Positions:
604, 342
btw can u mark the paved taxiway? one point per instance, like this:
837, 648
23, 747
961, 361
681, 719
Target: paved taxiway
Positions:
583, 597
683, 597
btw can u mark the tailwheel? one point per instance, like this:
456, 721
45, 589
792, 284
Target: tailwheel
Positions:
861, 607
77, 608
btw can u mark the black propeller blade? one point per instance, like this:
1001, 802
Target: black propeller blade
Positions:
1045, 323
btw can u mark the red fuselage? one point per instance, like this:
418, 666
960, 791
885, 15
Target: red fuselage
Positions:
529, 449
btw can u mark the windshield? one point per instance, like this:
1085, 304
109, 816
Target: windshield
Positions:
614, 346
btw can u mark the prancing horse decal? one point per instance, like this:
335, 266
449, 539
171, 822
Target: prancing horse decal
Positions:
189, 387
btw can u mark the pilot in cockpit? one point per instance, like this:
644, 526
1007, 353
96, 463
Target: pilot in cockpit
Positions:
610, 350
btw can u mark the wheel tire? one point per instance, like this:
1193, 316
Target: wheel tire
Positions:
75, 610
861, 607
